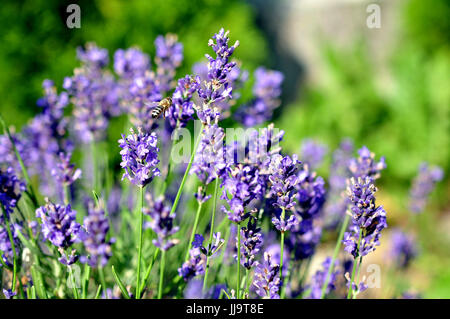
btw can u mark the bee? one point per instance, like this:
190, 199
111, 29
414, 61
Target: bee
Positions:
162, 107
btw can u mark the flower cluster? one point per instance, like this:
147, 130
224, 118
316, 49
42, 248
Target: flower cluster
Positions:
161, 223
5, 244
169, 55
267, 278
58, 225
182, 109
337, 202
403, 249
139, 157
94, 238
65, 172
365, 165
240, 187
11, 189
423, 185
312, 153
368, 220
310, 197
217, 87
283, 180
267, 91
94, 93
251, 243
318, 280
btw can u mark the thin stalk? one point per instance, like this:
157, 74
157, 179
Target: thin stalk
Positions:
87, 274
102, 280
247, 281
140, 225
149, 269
350, 290
186, 173
216, 189
194, 229
99, 289
238, 283
74, 285
120, 284
358, 274
161, 273
283, 212
336, 252
13, 246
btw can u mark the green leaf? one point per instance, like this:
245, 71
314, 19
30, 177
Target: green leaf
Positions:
120, 284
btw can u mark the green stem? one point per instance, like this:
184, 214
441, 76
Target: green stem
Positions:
205, 278
74, 285
140, 225
283, 212
194, 229
186, 173
358, 273
99, 289
149, 269
350, 290
336, 252
87, 274
13, 246
161, 273
247, 281
102, 280
238, 284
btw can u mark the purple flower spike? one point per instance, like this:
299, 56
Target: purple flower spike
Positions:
94, 238
182, 109
169, 55
139, 157
403, 249
161, 223
251, 243
367, 218
65, 172
318, 279
365, 164
267, 91
312, 153
58, 224
423, 185
267, 278
11, 189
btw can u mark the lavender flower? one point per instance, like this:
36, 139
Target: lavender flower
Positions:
368, 220
182, 109
94, 93
283, 180
337, 204
209, 161
59, 226
365, 165
194, 290
267, 91
130, 63
243, 185
312, 153
423, 185
310, 197
217, 88
94, 238
161, 223
65, 172
251, 243
267, 278
403, 249
139, 157
196, 264
318, 279
9, 294
5, 244
11, 189
169, 55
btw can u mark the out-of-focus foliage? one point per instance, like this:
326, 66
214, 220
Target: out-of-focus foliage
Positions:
36, 43
406, 119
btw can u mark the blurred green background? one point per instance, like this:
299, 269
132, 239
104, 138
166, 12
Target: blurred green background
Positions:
406, 118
